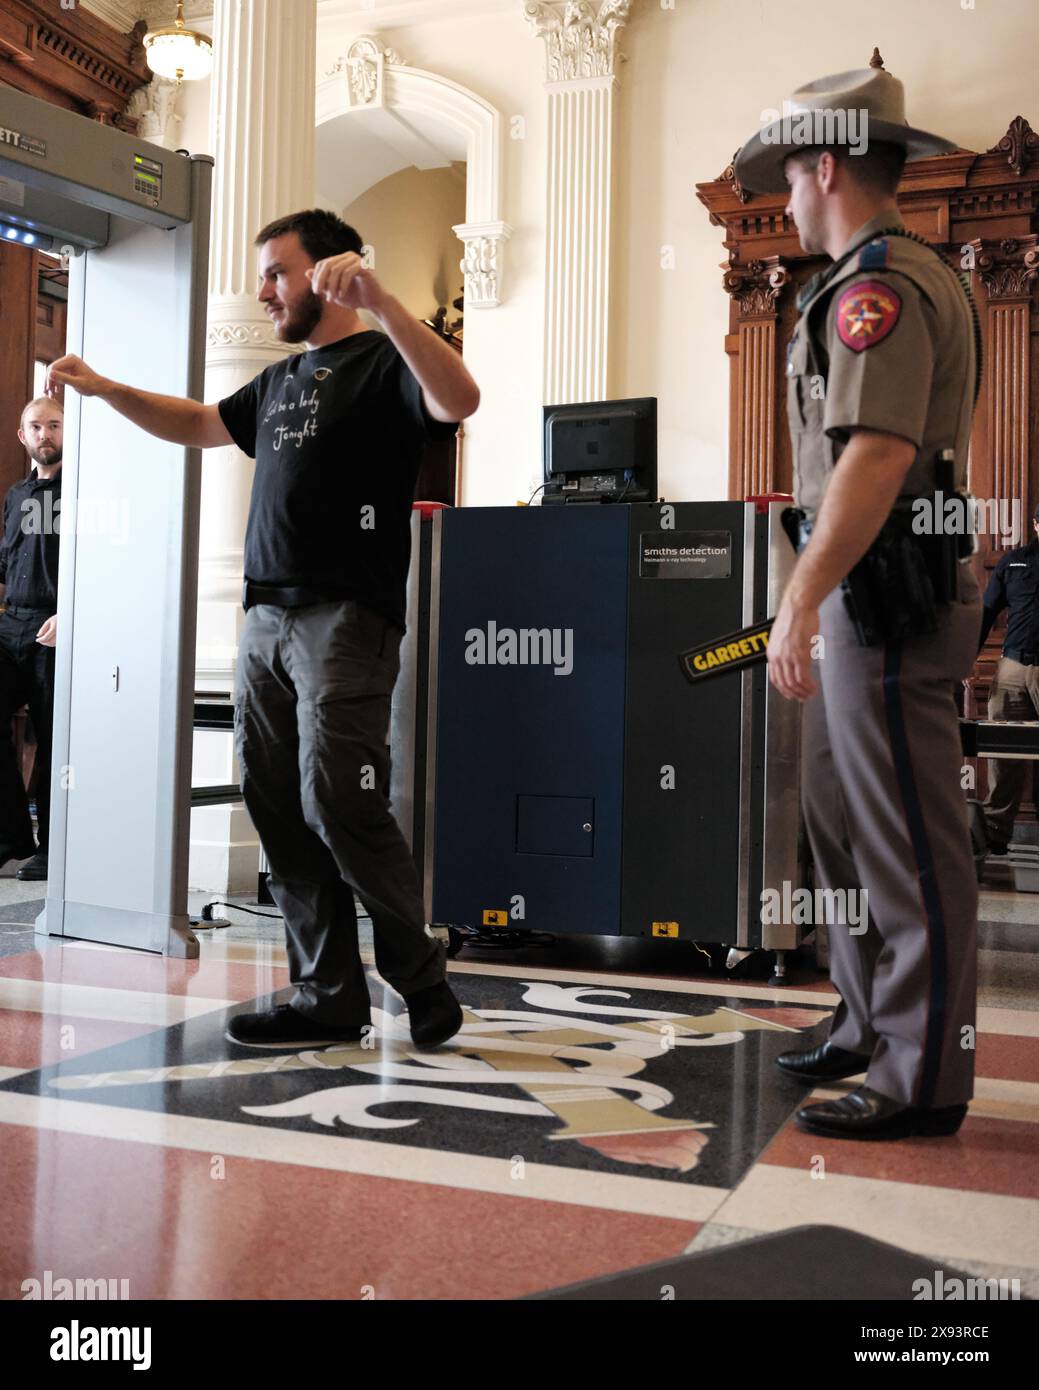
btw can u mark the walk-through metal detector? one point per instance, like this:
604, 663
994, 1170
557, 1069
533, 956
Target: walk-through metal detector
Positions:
135, 217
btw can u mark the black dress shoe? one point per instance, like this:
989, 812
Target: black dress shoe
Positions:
35, 869
863, 1114
435, 1015
12, 852
284, 1026
823, 1063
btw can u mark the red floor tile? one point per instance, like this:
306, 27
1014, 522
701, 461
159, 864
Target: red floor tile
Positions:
100, 1208
30, 1040
987, 1155
1009, 1058
214, 979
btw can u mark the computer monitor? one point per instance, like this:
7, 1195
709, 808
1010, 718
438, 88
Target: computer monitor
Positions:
601, 451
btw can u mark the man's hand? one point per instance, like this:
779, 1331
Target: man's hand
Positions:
790, 651
73, 371
344, 280
48, 633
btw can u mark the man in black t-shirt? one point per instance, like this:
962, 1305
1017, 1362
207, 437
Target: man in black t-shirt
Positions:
337, 433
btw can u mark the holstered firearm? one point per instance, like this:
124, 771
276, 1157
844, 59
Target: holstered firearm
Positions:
896, 588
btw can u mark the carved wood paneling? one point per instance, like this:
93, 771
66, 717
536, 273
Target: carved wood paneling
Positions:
72, 58
18, 272
51, 317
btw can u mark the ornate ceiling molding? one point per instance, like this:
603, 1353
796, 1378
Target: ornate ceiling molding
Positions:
393, 14
580, 35
124, 14
121, 14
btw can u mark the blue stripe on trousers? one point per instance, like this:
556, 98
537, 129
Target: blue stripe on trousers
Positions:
936, 932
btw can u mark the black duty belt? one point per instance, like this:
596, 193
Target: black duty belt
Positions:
286, 596
1022, 658
19, 612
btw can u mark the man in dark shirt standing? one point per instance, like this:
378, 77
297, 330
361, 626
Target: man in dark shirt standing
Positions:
337, 433
28, 630
1015, 690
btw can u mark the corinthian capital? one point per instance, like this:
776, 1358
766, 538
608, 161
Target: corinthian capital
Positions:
757, 286
1007, 268
580, 35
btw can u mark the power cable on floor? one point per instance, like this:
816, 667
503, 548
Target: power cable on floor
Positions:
207, 911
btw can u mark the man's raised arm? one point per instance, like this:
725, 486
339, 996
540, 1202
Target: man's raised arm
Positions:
173, 418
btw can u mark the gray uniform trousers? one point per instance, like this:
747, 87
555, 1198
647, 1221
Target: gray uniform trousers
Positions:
312, 711
886, 813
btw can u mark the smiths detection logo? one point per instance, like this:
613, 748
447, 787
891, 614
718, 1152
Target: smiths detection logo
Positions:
525, 646
22, 142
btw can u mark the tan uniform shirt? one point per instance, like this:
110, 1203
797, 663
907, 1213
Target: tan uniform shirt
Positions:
886, 342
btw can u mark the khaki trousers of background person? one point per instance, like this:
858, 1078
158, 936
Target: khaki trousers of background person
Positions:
885, 813
1014, 695
312, 711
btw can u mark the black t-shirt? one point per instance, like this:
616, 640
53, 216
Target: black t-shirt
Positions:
337, 434
31, 541
1015, 585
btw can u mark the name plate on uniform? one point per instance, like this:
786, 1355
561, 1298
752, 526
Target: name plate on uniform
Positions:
685, 554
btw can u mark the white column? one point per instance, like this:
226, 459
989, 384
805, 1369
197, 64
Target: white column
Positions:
262, 135
581, 48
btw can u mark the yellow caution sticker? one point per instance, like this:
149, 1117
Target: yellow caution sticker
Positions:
492, 918
743, 648
665, 929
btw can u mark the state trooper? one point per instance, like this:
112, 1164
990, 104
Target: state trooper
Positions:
882, 378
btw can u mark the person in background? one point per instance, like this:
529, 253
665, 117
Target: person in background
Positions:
28, 630
1015, 689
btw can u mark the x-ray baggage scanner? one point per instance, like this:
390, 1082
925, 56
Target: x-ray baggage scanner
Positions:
134, 218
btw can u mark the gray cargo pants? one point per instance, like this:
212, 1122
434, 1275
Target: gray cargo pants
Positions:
312, 711
1014, 695
885, 812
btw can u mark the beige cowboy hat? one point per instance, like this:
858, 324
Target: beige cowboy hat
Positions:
856, 107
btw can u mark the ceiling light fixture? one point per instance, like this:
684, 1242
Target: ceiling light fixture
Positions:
178, 53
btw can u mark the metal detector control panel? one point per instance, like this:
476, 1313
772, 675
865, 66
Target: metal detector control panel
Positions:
52, 155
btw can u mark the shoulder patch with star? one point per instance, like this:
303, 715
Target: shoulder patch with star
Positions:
866, 313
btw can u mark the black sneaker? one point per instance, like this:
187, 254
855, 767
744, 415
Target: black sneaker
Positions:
35, 869
435, 1015
283, 1026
